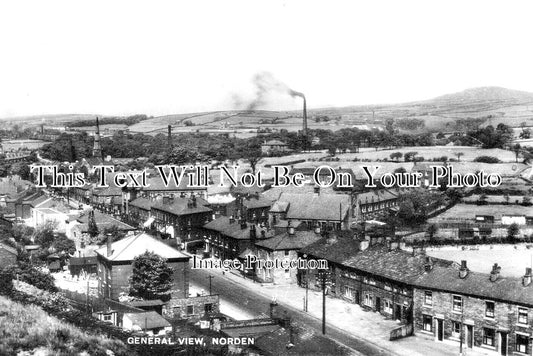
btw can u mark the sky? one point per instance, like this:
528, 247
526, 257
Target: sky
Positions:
167, 57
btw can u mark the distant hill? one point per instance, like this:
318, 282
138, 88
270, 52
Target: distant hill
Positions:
486, 94
480, 106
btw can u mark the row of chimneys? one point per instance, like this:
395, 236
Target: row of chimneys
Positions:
494, 273
190, 204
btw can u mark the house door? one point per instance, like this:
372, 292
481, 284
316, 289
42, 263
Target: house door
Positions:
398, 312
378, 304
440, 329
503, 344
469, 336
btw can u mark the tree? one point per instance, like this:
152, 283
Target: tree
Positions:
516, 149
92, 229
251, 152
396, 156
459, 155
507, 198
431, 231
526, 201
512, 232
151, 278
482, 199
44, 234
410, 156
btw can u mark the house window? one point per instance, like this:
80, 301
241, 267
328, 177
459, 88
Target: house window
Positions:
387, 286
387, 306
208, 307
176, 311
368, 300
457, 305
349, 293
522, 315
287, 273
286, 252
427, 321
428, 298
521, 344
190, 309
488, 337
456, 329
489, 309
108, 317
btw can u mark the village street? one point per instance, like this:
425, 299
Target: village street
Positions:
367, 333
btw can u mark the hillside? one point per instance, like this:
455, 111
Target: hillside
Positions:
29, 328
475, 107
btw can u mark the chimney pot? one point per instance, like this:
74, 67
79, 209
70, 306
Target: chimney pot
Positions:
495, 273
463, 271
526, 280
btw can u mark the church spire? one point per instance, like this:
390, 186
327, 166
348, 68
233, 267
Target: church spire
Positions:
97, 149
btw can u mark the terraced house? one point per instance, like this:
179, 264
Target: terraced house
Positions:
371, 272
484, 311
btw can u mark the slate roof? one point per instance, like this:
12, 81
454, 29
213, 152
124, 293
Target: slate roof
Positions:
234, 230
130, 247
395, 264
179, 206
376, 196
477, 284
39, 200
103, 221
316, 207
143, 203
242, 190
285, 241
149, 320
335, 249
254, 203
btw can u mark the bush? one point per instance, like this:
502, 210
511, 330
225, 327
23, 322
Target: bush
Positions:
31, 275
6, 280
487, 159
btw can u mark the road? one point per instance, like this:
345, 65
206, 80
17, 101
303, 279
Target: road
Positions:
256, 304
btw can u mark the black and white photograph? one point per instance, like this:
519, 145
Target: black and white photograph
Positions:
266, 178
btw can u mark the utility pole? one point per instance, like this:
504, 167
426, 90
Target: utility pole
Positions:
323, 275
324, 304
210, 278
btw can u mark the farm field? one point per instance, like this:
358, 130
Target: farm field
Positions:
469, 211
430, 152
513, 261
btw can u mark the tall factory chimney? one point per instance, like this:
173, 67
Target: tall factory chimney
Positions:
169, 138
97, 149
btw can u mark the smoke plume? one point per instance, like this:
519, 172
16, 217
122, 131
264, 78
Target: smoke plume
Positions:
265, 83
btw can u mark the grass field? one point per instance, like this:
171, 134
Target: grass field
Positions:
513, 261
430, 152
29, 328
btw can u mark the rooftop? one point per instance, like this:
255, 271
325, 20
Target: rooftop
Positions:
182, 206
103, 221
147, 320
316, 207
285, 241
234, 229
130, 247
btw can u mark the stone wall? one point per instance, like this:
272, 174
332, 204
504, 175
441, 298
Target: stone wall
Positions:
181, 308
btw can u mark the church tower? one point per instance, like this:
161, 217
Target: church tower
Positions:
97, 149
